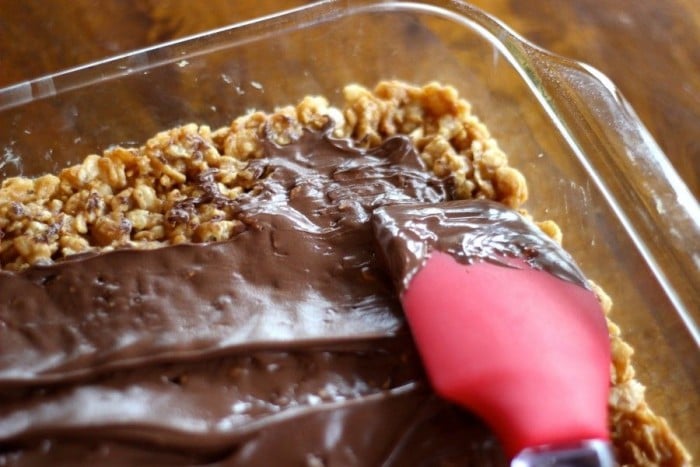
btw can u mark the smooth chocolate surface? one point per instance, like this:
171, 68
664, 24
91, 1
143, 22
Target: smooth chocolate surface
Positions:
470, 231
282, 346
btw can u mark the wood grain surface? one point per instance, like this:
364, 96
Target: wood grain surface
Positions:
650, 49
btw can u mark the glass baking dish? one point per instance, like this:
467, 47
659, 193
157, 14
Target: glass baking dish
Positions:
627, 217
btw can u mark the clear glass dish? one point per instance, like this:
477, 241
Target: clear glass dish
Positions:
627, 217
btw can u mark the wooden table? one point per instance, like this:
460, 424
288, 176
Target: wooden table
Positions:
650, 49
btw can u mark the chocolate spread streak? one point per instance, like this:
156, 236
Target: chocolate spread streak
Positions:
282, 346
470, 231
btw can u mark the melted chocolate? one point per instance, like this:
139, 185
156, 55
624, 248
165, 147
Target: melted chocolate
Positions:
470, 231
282, 346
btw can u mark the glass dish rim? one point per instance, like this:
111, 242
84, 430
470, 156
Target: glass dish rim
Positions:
641, 154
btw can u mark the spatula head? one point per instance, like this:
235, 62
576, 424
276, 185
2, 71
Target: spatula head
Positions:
471, 231
503, 318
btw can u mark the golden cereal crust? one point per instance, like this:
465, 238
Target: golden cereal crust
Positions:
137, 198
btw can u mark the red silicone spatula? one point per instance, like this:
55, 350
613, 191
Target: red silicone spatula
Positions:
506, 326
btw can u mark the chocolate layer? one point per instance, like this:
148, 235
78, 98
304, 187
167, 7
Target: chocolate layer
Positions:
470, 231
282, 346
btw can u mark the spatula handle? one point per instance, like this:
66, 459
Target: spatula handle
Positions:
594, 453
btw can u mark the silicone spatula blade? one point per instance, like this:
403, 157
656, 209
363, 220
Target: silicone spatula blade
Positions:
505, 324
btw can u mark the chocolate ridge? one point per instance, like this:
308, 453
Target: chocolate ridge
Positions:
302, 279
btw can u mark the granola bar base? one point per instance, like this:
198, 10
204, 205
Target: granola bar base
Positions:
132, 198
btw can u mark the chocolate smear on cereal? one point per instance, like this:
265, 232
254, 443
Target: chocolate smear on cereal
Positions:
223, 352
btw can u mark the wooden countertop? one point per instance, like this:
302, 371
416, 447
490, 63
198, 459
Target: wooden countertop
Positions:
650, 49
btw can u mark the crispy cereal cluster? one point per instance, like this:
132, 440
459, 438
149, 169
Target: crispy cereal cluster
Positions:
144, 198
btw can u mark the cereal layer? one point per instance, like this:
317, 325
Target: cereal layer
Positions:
142, 198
